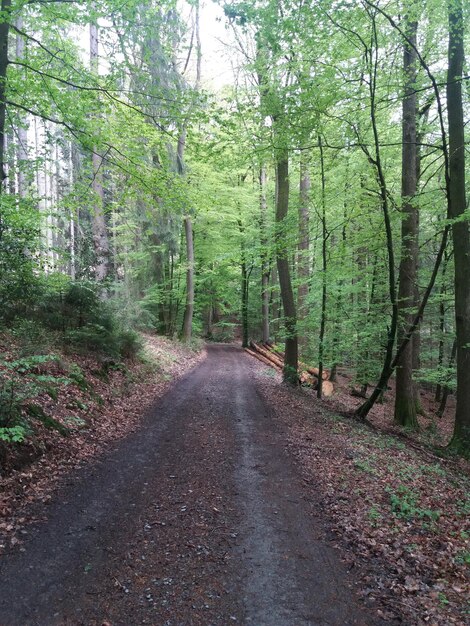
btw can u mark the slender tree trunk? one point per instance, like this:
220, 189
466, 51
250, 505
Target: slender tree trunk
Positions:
22, 130
275, 302
442, 324
189, 310
321, 342
387, 367
188, 224
460, 228
440, 358
303, 264
244, 272
71, 176
10, 154
4, 35
100, 234
282, 258
446, 388
405, 399
265, 265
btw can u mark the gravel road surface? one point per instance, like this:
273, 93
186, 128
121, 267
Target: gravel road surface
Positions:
199, 518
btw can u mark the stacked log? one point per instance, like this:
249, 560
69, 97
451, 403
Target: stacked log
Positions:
269, 354
263, 359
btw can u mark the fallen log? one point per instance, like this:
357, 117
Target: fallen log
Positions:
307, 379
314, 371
272, 347
307, 375
263, 359
267, 354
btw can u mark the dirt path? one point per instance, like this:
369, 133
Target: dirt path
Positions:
199, 518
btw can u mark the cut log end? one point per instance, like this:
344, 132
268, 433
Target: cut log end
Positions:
327, 388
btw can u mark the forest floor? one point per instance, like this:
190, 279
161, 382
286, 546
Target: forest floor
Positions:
233, 499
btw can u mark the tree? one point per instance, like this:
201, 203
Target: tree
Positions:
303, 263
405, 398
100, 233
265, 264
460, 224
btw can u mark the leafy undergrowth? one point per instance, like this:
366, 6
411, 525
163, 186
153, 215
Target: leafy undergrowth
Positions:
401, 513
80, 405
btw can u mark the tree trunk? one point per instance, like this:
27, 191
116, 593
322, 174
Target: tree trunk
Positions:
22, 132
244, 272
460, 228
321, 342
265, 269
275, 303
446, 388
387, 367
4, 34
405, 399
282, 258
189, 310
440, 358
188, 225
100, 234
303, 264
71, 181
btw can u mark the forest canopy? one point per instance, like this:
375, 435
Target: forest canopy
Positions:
303, 185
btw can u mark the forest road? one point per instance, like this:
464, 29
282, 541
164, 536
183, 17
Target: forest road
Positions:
198, 518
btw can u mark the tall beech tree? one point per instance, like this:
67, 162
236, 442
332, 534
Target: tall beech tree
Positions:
265, 262
303, 262
405, 399
272, 105
283, 270
4, 40
100, 232
460, 223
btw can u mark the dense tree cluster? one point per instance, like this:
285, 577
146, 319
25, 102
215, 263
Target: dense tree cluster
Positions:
320, 199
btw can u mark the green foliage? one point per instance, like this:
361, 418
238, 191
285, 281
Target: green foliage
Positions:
374, 515
366, 466
463, 558
19, 232
32, 337
109, 340
223, 331
22, 381
404, 503
73, 313
139, 314
13, 434
37, 412
77, 376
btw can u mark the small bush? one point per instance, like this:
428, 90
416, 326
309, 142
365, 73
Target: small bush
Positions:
13, 434
196, 344
133, 313
32, 337
130, 344
109, 340
91, 338
20, 382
